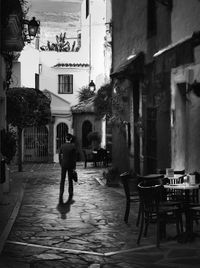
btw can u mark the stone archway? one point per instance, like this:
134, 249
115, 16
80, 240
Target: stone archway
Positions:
61, 132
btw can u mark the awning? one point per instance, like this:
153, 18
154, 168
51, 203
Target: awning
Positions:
177, 54
131, 67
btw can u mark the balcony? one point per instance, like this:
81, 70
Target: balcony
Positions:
11, 24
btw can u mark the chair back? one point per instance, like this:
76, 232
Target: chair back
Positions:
163, 171
129, 182
151, 179
150, 197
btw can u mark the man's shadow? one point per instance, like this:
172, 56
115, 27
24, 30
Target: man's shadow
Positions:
64, 208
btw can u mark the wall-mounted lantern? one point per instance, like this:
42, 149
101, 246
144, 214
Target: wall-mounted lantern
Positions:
30, 29
92, 86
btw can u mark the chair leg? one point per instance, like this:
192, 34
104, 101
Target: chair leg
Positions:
146, 225
158, 233
141, 227
127, 211
139, 215
180, 223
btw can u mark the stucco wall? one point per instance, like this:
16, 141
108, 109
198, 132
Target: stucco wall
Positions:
93, 31
49, 79
185, 18
29, 59
186, 122
129, 29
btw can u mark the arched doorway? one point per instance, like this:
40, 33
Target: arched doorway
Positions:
61, 132
36, 144
86, 129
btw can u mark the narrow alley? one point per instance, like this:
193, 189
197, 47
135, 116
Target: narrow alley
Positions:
90, 232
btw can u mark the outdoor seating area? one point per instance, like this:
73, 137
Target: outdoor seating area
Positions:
164, 199
99, 157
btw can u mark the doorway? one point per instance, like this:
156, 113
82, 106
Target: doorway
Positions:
86, 129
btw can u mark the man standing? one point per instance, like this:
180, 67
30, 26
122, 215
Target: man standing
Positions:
67, 160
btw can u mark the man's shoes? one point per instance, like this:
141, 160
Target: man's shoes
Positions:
75, 179
74, 176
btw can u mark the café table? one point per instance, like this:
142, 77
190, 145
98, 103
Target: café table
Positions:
188, 235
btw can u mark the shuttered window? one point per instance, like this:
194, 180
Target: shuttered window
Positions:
65, 84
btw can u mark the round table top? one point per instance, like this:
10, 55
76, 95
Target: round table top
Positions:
176, 176
182, 186
152, 176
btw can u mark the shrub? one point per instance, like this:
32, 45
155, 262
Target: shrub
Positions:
8, 144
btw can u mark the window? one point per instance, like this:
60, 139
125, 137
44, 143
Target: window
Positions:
65, 84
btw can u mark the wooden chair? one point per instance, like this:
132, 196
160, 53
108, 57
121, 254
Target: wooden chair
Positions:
129, 183
195, 215
88, 157
153, 211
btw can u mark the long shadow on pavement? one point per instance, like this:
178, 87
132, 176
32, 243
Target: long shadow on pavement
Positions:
65, 208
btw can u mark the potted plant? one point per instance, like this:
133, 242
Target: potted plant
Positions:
111, 175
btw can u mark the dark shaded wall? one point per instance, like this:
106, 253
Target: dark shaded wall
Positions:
129, 37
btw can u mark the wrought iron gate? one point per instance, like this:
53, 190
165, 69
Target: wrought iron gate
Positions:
61, 133
36, 144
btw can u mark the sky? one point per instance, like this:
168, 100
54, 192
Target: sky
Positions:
56, 16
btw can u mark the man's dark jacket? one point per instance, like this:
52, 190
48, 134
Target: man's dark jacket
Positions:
67, 156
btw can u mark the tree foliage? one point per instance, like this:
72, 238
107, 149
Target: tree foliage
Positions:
103, 101
111, 104
85, 93
27, 107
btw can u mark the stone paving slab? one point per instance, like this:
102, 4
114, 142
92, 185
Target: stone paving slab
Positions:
90, 231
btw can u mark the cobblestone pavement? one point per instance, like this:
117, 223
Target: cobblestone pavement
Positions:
88, 232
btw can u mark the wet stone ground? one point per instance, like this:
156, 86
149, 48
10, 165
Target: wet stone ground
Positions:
85, 233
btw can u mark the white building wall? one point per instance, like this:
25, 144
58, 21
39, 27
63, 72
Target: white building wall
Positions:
93, 42
29, 59
49, 74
